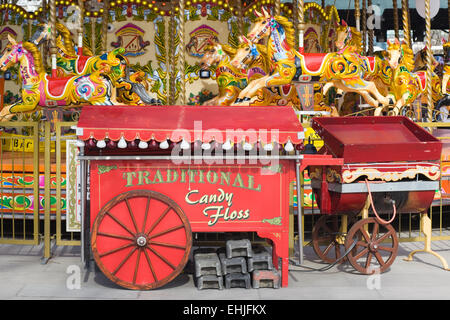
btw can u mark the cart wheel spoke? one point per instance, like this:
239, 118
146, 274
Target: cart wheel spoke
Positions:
161, 257
166, 231
325, 239
327, 249
375, 232
118, 236
124, 260
383, 248
131, 215
369, 258
364, 234
115, 250
384, 236
379, 258
173, 253
159, 220
362, 244
137, 266
120, 223
147, 207
361, 253
150, 265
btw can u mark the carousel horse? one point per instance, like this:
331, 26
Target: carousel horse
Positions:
38, 89
442, 107
231, 79
406, 85
342, 70
69, 63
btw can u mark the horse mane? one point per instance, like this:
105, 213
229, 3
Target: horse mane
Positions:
407, 57
68, 41
31, 47
288, 28
356, 37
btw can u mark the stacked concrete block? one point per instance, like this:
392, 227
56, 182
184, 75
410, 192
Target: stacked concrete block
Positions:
238, 248
208, 270
266, 279
238, 280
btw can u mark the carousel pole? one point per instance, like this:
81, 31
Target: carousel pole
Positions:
395, 9
429, 60
277, 8
240, 18
370, 33
364, 26
81, 28
105, 26
182, 54
295, 19
301, 23
405, 18
357, 15
53, 49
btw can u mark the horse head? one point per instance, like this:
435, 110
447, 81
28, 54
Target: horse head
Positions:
262, 27
12, 54
394, 51
245, 54
213, 54
343, 36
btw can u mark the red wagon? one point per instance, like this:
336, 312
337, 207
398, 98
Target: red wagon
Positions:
391, 165
159, 174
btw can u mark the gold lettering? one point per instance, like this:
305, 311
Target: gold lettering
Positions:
225, 176
192, 174
143, 175
201, 177
251, 183
214, 178
183, 176
158, 176
129, 177
238, 179
169, 175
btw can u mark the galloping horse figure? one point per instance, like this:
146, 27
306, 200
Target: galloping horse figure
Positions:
342, 70
407, 85
69, 63
40, 90
231, 78
443, 105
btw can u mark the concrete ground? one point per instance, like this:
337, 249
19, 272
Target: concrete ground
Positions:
22, 276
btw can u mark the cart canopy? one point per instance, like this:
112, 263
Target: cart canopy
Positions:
191, 123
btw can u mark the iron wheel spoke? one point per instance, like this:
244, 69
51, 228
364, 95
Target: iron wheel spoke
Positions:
137, 266
384, 236
118, 236
368, 260
150, 265
159, 220
361, 253
379, 258
147, 207
164, 244
131, 215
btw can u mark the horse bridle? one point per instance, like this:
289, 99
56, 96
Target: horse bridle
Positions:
271, 23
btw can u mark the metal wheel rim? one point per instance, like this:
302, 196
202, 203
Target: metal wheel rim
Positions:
369, 246
330, 225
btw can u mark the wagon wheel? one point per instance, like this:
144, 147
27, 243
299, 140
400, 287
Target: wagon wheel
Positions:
376, 246
328, 241
141, 239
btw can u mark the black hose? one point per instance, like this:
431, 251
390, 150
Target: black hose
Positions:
331, 265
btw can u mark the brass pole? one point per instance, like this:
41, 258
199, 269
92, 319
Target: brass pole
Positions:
47, 164
182, 54
429, 60
370, 33
277, 8
53, 49
301, 23
395, 9
357, 15
105, 26
364, 26
81, 27
405, 17
295, 20
240, 18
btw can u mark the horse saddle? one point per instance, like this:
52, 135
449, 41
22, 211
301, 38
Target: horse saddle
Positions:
56, 86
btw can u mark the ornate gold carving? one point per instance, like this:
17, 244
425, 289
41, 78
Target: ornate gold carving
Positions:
431, 172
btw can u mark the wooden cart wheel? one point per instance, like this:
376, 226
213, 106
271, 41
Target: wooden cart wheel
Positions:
141, 239
328, 242
376, 247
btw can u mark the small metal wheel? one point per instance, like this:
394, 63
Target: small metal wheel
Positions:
328, 242
376, 246
141, 239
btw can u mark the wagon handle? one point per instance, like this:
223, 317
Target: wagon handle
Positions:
382, 221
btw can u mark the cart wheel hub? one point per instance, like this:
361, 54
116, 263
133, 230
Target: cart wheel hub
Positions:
373, 247
141, 241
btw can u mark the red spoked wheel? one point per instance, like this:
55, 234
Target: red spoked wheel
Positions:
141, 239
376, 246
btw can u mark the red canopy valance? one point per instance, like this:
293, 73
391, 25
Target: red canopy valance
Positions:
191, 123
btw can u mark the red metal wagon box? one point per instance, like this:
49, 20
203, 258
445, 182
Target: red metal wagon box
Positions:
158, 174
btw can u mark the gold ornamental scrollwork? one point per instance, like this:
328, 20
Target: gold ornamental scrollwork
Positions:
431, 172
